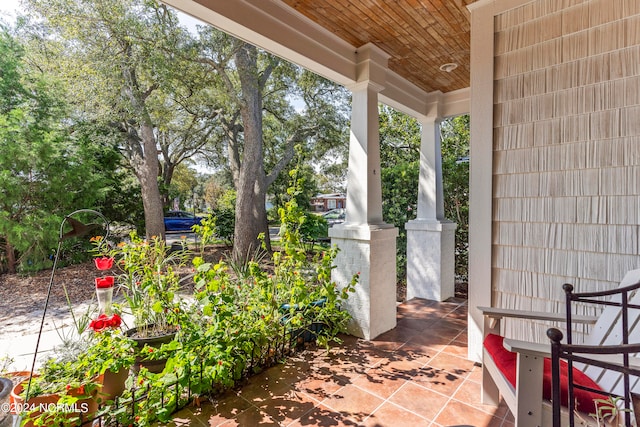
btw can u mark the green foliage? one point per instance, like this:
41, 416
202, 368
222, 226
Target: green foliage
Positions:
58, 377
399, 154
227, 326
399, 137
126, 68
225, 220
221, 223
214, 187
295, 217
399, 205
147, 282
307, 185
314, 228
237, 315
183, 185
145, 82
76, 380
455, 176
44, 172
299, 283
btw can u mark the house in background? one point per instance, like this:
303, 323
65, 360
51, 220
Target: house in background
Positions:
326, 202
553, 92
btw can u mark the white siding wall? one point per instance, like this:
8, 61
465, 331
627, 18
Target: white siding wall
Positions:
566, 164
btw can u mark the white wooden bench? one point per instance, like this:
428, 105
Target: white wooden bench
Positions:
525, 399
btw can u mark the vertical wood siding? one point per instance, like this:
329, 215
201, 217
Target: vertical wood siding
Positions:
566, 205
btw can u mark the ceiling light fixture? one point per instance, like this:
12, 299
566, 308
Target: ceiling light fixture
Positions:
448, 67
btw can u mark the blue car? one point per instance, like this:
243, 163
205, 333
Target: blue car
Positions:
180, 221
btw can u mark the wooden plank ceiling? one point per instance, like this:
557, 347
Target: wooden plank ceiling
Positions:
420, 35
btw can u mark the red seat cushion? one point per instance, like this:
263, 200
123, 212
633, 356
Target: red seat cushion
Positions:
506, 361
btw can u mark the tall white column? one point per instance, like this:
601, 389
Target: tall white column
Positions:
430, 237
367, 244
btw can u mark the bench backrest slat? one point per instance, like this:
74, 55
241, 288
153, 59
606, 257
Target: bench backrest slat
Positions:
608, 331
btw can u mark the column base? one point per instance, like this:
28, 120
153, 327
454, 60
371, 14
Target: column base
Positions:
430, 259
371, 251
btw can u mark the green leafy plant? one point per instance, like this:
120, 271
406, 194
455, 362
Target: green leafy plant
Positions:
608, 413
110, 350
302, 281
76, 375
58, 377
148, 283
237, 313
71, 388
220, 224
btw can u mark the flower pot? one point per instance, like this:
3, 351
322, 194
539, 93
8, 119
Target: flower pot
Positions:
16, 378
113, 384
154, 366
35, 406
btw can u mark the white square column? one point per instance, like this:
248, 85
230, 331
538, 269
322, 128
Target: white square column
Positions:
430, 238
430, 259
370, 251
367, 244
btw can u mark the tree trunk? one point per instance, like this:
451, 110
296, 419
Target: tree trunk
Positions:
11, 257
148, 177
144, 161
251, 214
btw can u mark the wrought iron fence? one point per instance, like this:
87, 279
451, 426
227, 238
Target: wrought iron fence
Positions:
178, 394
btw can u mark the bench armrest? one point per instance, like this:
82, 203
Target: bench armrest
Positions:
528, 348
499, 313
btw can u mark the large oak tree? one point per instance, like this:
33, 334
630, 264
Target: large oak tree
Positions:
173, 95
262, 125
119, 60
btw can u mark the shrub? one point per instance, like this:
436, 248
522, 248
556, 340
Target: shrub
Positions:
238, 313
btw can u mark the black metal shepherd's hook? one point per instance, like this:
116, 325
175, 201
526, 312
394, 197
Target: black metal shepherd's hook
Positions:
77, 229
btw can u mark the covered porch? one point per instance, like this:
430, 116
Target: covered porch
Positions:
552, 90
373, 75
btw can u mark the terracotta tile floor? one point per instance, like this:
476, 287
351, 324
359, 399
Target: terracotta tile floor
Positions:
414, 375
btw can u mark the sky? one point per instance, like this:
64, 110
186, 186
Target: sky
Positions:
8, 8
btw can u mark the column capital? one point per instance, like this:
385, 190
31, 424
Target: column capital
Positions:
371, 67
434, 108
365, 85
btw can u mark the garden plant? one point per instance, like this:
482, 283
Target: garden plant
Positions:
238, 320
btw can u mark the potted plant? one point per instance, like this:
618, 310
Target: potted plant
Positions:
148, 285
61, 393
85, 371
110, 356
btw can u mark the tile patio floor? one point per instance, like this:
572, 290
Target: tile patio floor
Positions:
414, 375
